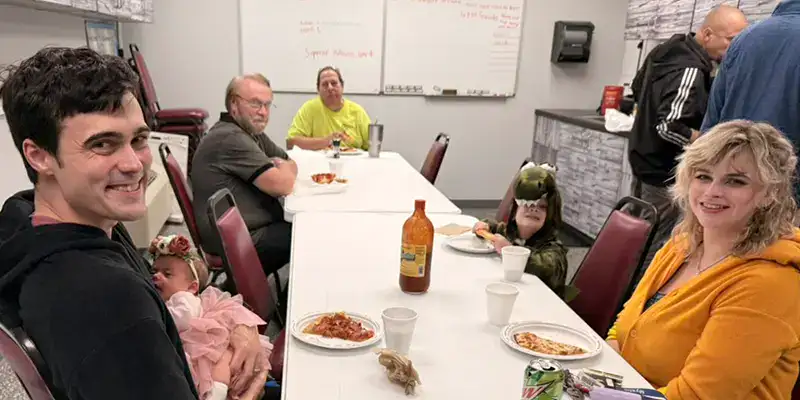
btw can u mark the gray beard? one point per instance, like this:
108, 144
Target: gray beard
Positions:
248, 127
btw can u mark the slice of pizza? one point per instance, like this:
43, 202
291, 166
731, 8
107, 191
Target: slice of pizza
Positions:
542, 345
485, 234
339, 326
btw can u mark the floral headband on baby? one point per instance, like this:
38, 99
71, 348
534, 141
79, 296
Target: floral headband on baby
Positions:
175, 245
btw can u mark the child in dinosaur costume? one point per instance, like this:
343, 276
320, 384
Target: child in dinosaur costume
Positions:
534, 222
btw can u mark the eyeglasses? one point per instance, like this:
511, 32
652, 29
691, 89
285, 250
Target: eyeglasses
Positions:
256, 105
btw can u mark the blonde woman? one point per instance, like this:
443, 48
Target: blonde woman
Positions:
717, 314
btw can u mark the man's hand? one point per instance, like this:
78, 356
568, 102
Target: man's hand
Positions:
281, 163
248, 358
254, 391
290, 165
343, 136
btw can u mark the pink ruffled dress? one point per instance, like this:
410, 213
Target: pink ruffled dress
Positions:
205, 323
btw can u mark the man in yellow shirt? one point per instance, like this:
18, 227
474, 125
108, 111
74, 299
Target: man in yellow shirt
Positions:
329, 116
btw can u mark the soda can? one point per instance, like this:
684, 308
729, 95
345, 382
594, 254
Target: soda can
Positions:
544, 380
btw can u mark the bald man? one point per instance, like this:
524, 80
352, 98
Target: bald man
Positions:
671, 91
237, 155
760, 77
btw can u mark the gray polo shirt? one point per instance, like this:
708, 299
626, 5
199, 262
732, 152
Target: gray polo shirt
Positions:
229, 157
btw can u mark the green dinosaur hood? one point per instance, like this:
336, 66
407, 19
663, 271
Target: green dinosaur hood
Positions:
536, 183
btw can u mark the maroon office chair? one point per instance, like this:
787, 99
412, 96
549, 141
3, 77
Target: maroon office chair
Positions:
433, 161
240, 256
26, 362
276, 358
190, 122
606, 273
504, 210
245, 268
183, 193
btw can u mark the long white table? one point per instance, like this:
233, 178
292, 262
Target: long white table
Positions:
351, 262
385, 184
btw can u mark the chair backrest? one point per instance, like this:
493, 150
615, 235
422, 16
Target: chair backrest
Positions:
504, 209
606, 272
276, 358
433, 161
20, 353
148, 89
183, 193
240, 255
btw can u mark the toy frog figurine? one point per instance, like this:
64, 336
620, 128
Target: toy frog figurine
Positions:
399, 369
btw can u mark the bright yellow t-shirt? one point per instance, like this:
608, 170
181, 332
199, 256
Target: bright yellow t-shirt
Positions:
314, 120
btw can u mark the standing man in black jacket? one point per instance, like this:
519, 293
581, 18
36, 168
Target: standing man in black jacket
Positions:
671, 90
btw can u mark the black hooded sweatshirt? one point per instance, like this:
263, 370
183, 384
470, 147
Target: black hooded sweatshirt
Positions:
671, 91
88, 303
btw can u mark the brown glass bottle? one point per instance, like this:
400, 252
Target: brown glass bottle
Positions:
417, 247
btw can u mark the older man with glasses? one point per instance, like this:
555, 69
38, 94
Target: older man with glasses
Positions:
237, 155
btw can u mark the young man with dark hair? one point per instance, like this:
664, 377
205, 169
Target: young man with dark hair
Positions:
68, 269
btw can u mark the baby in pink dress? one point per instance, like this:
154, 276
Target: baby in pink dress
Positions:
204, 321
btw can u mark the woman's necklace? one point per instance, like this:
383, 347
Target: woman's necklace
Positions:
699, 271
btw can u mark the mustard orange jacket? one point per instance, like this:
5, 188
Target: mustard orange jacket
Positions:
729, 333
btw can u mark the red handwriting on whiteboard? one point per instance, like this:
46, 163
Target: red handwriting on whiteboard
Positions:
339, 53
480, 15
316, 54
497, 7
309, 27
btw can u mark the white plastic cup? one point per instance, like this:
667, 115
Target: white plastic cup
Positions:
398, 328
500, 298
337, 167
514, 260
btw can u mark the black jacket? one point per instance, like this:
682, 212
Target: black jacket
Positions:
671, 90
88, 303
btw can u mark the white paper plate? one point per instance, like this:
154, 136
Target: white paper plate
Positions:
557, 332
327, 188
335, 344
470, 243
357, 152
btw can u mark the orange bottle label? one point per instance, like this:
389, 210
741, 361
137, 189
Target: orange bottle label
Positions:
412, 260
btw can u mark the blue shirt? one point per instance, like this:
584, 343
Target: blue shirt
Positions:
759, 79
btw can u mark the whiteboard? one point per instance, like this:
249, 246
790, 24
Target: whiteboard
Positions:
290, 40
436, 46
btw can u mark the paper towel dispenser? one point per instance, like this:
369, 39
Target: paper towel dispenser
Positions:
572, 42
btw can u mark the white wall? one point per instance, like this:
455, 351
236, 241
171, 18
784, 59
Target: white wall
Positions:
192, 58
22, 33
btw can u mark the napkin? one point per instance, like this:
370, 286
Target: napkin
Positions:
452, 229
